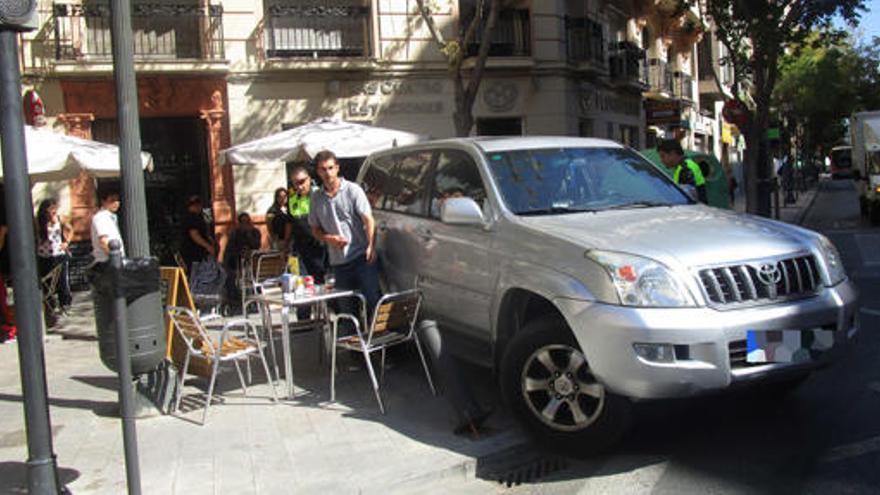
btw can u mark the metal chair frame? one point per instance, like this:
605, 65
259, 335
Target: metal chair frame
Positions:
228, 348
49, 286
394, 321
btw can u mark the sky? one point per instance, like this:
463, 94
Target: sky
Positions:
870, 22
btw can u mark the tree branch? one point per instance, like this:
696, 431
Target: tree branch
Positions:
483, 54
429, 21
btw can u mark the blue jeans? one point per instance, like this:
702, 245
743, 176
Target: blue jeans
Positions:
361, 276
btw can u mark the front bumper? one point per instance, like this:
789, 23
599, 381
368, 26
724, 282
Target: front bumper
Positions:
606, 334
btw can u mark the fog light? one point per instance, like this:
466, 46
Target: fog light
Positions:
656, 353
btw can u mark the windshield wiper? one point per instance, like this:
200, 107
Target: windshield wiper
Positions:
639, 204
555, 210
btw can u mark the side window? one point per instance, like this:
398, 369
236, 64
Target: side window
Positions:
409, 183
456, 176
377, 181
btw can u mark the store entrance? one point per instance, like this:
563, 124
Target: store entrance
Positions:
180, 169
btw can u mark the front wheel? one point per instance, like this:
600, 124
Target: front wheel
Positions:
548, 384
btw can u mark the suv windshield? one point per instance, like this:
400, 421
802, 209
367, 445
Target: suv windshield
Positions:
572, 180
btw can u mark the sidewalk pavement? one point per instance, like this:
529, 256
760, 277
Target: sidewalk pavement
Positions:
793, 213
249, 444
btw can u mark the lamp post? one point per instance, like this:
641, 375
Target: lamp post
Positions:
42, 473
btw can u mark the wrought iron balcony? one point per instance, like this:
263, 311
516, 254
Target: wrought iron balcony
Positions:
628, 64
316, 30
161, 31
510, 38
683, 87
660, 78
585, 41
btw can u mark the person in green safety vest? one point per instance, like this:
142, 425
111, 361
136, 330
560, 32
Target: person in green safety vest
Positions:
309, 251
684, 171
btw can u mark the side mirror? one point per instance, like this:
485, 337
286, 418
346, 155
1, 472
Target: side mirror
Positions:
461, 211
691, 191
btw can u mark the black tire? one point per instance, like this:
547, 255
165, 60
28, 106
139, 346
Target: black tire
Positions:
586, 418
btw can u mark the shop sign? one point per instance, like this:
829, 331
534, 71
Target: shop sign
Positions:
662, 112
596, 100
370, 109
396, 87
773, 133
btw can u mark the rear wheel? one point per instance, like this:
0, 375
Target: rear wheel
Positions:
548, 384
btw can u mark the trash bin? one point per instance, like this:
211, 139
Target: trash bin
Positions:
139, 283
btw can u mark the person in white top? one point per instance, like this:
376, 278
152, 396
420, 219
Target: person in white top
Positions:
52, 247
105, 228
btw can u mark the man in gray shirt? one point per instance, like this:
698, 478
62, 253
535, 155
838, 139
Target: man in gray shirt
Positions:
341, 217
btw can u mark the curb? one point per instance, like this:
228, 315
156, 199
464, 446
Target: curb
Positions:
803, 213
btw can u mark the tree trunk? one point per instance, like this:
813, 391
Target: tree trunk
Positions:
758, 164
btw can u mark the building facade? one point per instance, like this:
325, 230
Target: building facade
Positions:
213, 73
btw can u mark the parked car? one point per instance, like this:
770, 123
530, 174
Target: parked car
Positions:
717, 182
586, 279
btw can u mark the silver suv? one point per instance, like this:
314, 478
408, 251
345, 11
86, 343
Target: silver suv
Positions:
585, 278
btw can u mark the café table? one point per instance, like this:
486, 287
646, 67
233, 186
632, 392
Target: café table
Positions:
288, 301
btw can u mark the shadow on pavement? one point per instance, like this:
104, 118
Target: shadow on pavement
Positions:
14, 477
100, 408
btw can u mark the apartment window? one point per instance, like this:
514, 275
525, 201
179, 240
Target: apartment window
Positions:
313, 28
585, 128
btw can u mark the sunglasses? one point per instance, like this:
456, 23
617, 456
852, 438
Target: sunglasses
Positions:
301, 181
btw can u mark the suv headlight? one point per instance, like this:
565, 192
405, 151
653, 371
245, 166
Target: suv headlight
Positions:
642, 281
833, 262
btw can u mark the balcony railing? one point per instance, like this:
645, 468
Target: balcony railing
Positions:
510, 38
585, 41
683, 87
161, 31
628, 64
660, 78
315, 30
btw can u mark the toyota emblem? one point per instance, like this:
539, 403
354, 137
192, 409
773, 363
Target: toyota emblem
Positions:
769, 274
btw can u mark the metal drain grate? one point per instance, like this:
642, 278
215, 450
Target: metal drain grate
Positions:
519, 464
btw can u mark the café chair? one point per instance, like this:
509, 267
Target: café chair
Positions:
49, 286
261, 268
232, 346
393, 323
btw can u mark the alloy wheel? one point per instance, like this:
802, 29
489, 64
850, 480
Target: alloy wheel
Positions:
559, 388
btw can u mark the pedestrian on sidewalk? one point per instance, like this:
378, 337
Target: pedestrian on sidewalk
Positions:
279, 222
7, 328
311, 253
105, 228
242, 240
52, 247
340, 216
197, 243
684, 170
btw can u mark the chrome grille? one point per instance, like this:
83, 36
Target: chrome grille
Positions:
761, 282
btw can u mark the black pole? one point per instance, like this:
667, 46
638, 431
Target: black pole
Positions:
123, 365
137, 238
42, 474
